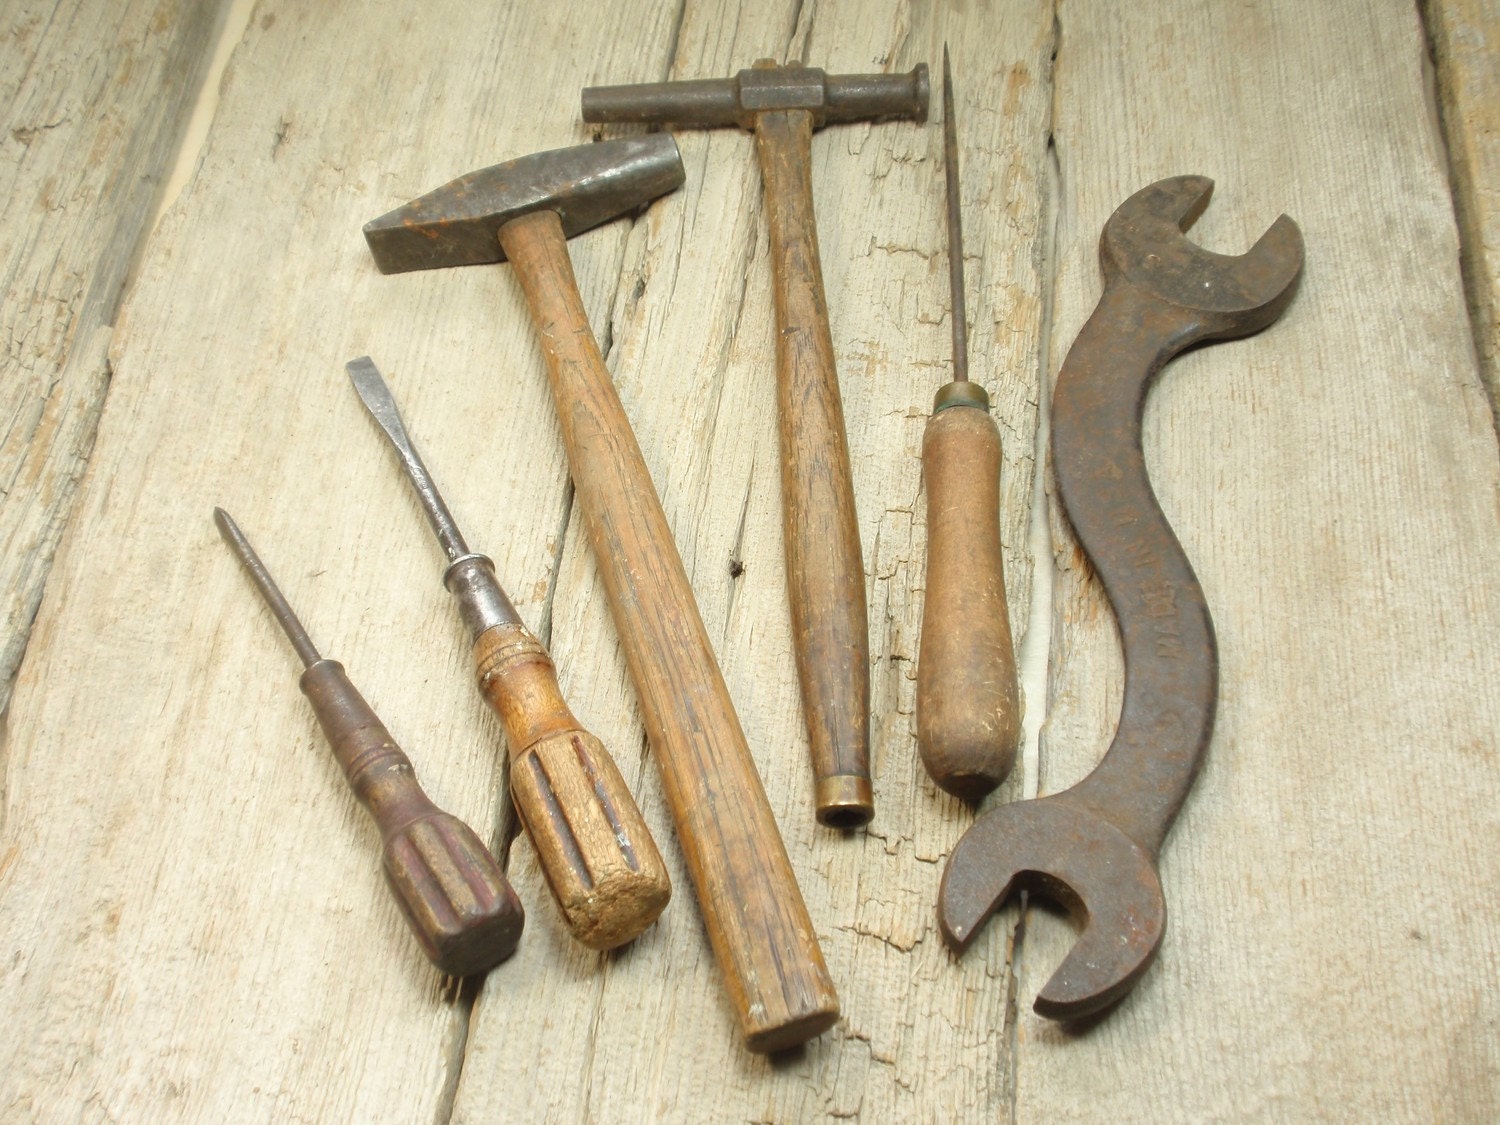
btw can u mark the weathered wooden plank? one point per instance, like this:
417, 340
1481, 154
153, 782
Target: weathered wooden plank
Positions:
1331, 950
194, 922
647, 1033
1467, 55
94, 97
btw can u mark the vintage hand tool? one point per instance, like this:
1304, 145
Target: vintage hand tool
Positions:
825, 572
450, 888
968, 710
1093, 847
757, 922
594, 847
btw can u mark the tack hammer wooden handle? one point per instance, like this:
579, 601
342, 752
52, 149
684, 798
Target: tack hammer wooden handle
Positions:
968, 716
592, 843
757, 922
825, 571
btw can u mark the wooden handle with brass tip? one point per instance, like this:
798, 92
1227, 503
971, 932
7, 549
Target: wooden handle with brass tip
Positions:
758, 925
968, 712
452, 892
593, 845
824, 568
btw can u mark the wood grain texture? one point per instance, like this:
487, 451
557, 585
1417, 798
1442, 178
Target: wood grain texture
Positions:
1328, 951
693, 356
601, 862
968, 709
1465, 38
95, 96
819, 526
762, 938
195, 923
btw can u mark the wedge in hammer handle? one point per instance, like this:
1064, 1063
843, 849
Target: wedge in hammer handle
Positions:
757, 922
825, 571
593, 845
968, 712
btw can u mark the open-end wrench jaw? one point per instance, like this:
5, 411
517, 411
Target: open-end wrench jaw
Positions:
1059, 848
1093, 847
1145, 244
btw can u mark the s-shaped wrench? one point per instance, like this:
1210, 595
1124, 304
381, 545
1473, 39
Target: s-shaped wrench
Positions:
1093, 848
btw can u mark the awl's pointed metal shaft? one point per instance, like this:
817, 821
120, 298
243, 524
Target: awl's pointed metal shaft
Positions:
955, 230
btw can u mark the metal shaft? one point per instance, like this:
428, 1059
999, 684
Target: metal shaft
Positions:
470, 577
377, 398
955, 230
267, 587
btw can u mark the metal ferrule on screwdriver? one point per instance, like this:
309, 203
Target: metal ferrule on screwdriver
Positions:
594, 848
451, 890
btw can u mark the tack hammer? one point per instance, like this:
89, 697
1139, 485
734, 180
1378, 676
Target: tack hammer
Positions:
825, 570
523, 211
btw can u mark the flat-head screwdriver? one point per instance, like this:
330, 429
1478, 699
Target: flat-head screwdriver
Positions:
590, 838
453, 893
968, 712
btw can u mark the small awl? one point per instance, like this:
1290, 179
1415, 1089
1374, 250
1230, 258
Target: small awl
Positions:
968, 711
450, 888
592, 843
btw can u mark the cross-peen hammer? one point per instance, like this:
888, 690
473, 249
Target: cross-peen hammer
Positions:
523, 211
825, 571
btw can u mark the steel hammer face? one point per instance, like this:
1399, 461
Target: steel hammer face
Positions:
459, 223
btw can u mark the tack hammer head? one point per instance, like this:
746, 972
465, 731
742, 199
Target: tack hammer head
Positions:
1234, 294
760, 89
459, 223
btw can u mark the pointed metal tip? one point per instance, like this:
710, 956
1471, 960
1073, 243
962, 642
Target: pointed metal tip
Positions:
227, 527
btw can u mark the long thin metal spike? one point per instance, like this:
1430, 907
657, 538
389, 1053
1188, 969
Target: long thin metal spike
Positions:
955, 230
267, 587
376, 396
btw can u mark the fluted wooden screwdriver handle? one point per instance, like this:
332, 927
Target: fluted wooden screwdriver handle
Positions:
593, 845
825, 571
757, 922
968, 714
455, 897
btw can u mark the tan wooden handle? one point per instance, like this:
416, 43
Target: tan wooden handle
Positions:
590, 838
825, 571
968, 716
757, 922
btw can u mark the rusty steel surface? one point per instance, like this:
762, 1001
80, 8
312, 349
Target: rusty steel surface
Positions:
1093, 848
763, 88
459, 223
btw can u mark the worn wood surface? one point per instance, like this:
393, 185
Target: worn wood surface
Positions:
94, 97
1333, 482
1465, 37
192, 920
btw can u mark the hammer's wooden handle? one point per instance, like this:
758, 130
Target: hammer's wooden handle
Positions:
825, 573
592, 843
968, 718
757, 922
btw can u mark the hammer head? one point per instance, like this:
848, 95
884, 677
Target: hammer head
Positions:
1063, 851
1234, 294
763, 88
459, 223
